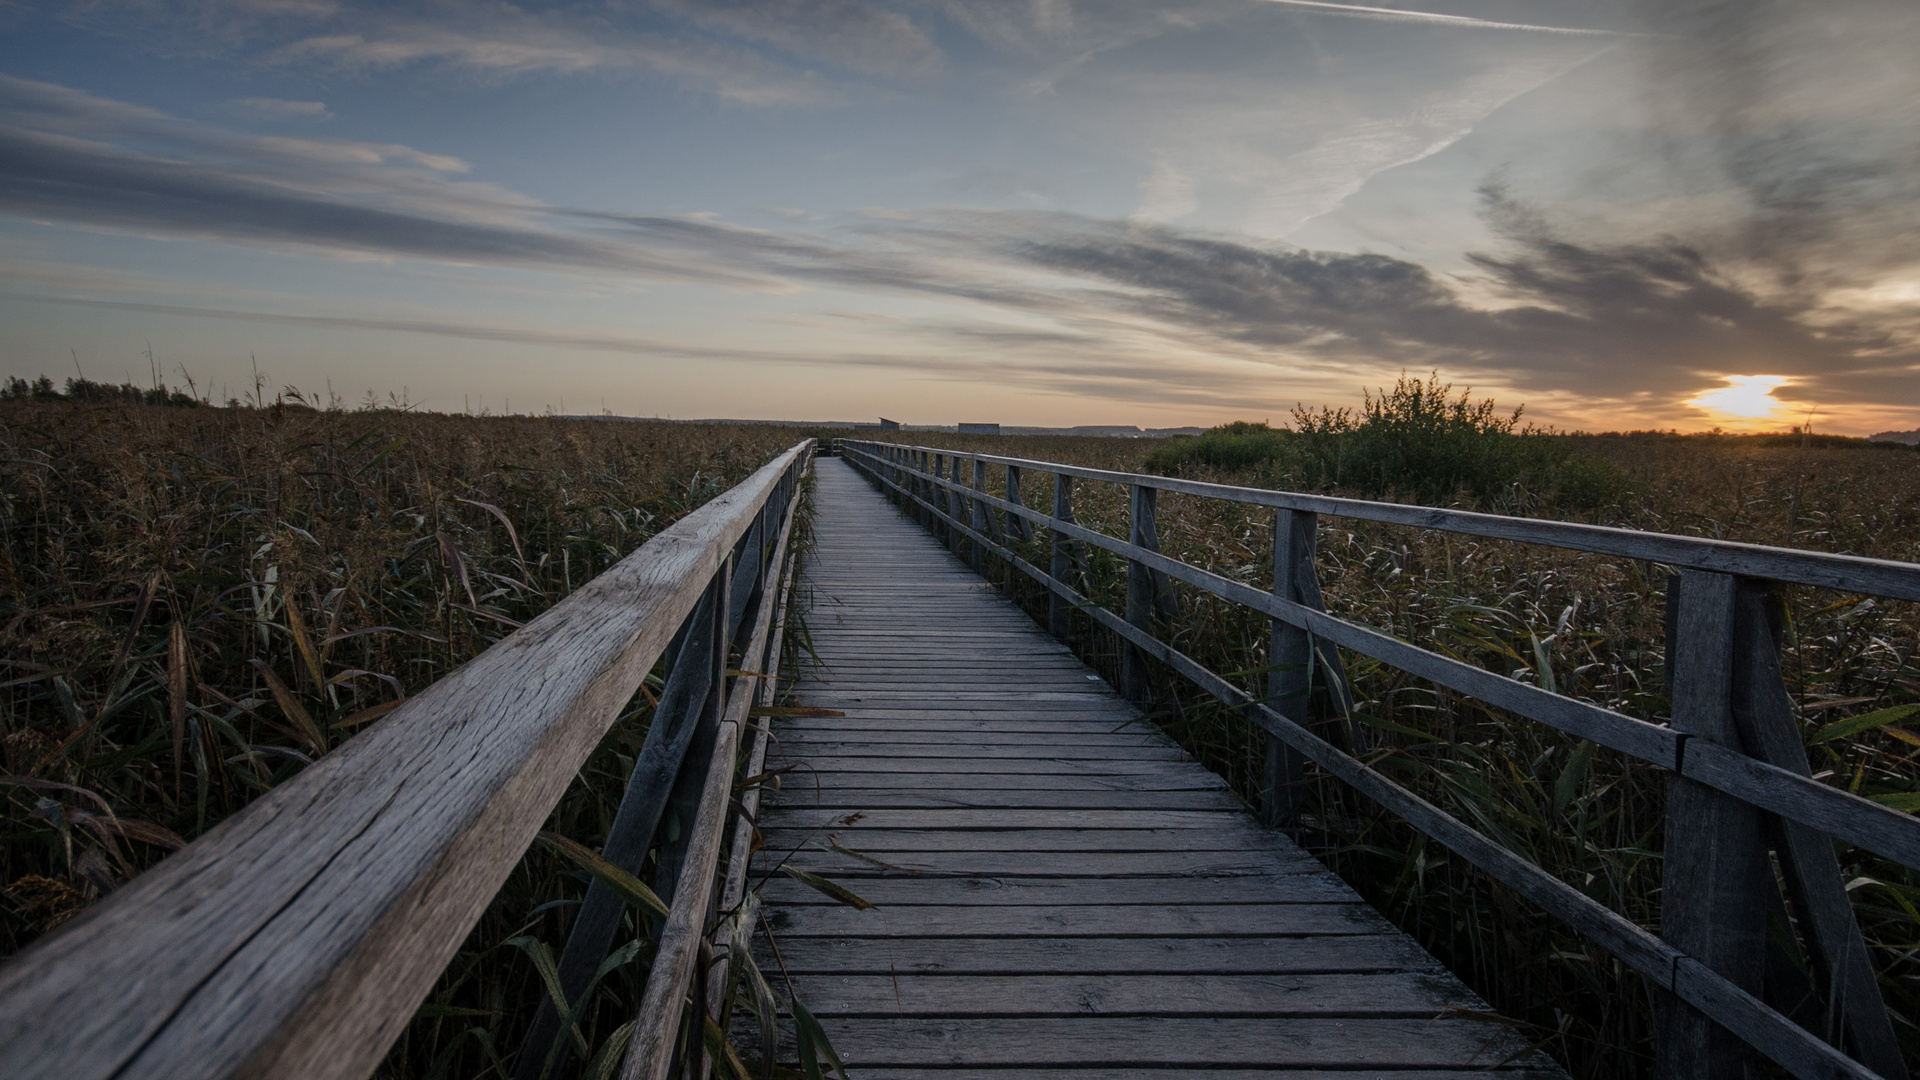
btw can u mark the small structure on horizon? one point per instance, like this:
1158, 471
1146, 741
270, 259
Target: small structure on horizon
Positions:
889, 425
979, 429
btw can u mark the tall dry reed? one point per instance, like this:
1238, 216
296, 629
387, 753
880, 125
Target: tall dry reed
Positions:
196, 603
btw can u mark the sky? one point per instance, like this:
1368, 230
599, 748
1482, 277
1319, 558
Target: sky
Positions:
1621, 213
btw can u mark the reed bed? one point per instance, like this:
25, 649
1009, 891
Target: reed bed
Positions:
1585, 625
196, 603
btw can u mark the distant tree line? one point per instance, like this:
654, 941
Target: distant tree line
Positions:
86, 390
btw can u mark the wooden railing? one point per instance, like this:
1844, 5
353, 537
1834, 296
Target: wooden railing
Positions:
298, 938
1739, 781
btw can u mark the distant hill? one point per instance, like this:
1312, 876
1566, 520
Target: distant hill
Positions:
1911, 438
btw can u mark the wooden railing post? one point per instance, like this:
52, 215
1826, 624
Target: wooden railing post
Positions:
937, 496
979, 518
924, 485
1017, 527
950, 500
1140, 592
1715, 873
1060, 555
1290, 657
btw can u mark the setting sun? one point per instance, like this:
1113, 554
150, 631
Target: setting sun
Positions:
1746, 397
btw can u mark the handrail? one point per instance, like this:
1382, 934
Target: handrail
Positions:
297, 938
1780, 785
1852, 573
689, 927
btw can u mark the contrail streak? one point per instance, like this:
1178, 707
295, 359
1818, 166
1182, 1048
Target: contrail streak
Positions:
1400, 15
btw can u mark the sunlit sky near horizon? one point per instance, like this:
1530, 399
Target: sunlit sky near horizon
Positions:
1625, 214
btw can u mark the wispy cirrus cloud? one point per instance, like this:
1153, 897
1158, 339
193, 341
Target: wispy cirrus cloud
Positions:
1435, 18
713, 49
85, 160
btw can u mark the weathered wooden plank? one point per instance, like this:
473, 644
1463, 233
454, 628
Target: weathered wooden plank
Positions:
801, 817
975, 751
1134, 1041
1114, 715
1304, 885
1394, 994
1061, 920
875, 841
1057, 864
925, 798
1010, 723
1102, 956
998, 765
796, 739
1009, 673
297, 938
804, 782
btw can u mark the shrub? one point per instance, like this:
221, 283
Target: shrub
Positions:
1232, 447
1415, 441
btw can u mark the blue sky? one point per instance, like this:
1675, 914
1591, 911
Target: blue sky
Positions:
1624, 214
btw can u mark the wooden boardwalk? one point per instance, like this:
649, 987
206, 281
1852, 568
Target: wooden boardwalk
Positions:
1059, 891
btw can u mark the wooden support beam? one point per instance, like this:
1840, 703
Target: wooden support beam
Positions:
1837, 954
1140, 593
1060, 556
684, 801
978, 517
1017, 526
1715, 868
683, 703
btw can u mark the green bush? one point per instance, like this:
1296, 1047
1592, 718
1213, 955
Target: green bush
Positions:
1234, 447
1415, 441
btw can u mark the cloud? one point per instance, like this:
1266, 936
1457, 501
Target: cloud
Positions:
347, 198
467, 331
279, 109
1166, 194
712, 46
1802, 110
858, 36
1432, 18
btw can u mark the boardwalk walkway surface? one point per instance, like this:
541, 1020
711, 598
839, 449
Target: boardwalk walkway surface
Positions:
1059, 891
